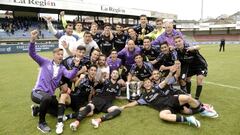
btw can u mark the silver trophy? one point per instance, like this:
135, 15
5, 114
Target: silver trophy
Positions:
133, 90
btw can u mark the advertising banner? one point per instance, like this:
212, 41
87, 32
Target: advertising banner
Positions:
77, 5
5, 49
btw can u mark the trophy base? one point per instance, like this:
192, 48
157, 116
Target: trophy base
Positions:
133, 98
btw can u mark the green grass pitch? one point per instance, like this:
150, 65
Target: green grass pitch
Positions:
18, 74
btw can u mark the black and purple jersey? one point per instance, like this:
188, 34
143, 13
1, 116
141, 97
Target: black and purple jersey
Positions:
142, 72
119, 41
108, 90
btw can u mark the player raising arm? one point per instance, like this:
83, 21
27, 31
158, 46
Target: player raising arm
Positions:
51, 72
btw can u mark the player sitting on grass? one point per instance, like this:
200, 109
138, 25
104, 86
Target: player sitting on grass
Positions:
101, 102
169, 105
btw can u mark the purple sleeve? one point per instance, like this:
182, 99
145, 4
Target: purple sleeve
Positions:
171, 80
70, 74
174, 55
141, 101
179, 33
160, 57
138, 50
121, 53
120, 62
108, 60
159, 40
132, 69
32, 53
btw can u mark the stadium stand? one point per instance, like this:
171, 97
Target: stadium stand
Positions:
22, 34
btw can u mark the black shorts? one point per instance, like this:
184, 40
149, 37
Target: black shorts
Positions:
197, 71
170, 103
67, 81
38, 96
184, 71
174, 91
78, 101
101, 105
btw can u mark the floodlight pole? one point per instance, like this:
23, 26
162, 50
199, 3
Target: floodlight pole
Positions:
202, 11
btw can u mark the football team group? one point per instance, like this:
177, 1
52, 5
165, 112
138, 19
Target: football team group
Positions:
142, 64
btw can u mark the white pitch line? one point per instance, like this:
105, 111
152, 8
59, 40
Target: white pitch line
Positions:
223, 85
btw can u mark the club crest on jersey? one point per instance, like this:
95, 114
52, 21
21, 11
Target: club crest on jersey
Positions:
112, 90
49, 67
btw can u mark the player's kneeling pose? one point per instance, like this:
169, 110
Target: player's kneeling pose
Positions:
77, 98
48, 80
64, 100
